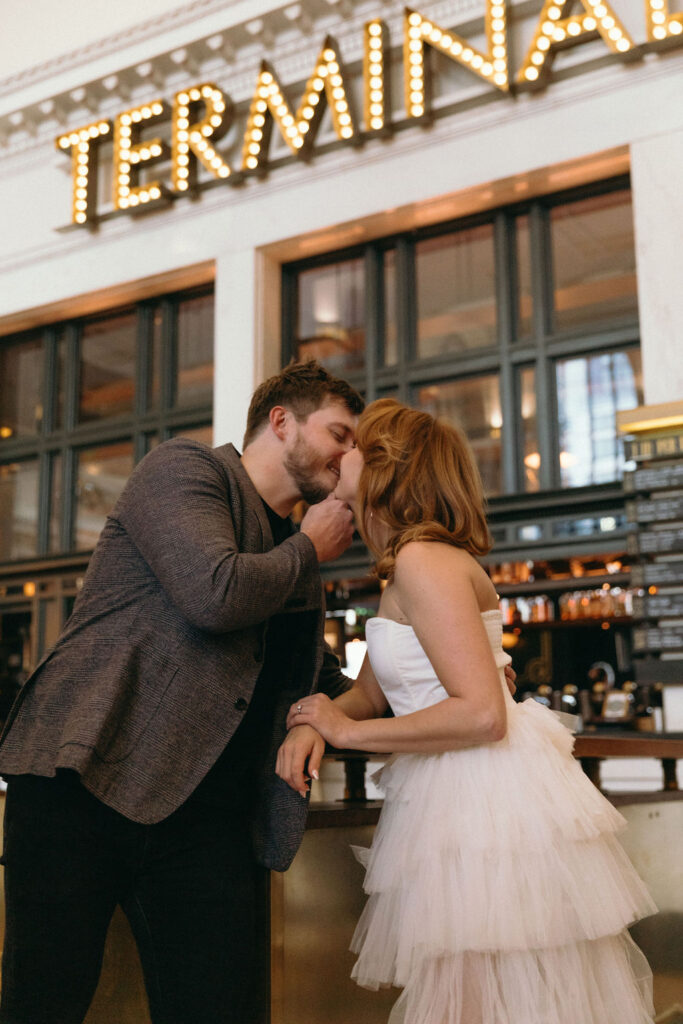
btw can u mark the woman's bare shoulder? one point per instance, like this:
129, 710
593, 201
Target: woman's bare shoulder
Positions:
437, 561
419, 554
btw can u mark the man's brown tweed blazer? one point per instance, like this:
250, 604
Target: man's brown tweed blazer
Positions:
156, 666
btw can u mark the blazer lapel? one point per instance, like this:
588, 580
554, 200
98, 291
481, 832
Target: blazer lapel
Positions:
252, 499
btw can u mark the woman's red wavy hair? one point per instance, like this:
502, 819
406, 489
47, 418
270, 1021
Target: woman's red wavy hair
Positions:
420, 480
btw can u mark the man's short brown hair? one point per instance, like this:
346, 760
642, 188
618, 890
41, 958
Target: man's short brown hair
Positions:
302, 388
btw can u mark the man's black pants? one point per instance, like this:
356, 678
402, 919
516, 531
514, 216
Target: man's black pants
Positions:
187, 886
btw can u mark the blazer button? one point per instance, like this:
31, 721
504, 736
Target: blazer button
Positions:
241, 704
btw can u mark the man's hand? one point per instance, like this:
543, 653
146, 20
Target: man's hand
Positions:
329, 525
299, 757
510, 676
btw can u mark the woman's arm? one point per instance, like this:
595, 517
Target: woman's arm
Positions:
436, 587
300, 755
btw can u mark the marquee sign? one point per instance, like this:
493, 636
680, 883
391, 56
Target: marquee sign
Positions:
201, 114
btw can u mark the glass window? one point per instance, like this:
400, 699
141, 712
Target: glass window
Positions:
60, 402
590, 392
473, 404
156, 361
55, 528
21, 386
594, 263
331, 320
390, 321
203, 434
19, 510
107, 367
97, 363
456, 295
588, 526
101, 476
195, 350
524, 296
530, 447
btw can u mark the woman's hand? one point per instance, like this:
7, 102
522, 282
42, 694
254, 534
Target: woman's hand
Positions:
324, 715
299, 757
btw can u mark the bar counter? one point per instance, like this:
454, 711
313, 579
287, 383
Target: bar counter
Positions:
309, 913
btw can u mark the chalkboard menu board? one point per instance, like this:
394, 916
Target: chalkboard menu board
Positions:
654, 511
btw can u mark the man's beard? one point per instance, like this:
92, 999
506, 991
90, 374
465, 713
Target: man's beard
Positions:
303, 464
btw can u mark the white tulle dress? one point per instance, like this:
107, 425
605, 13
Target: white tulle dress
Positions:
498, 892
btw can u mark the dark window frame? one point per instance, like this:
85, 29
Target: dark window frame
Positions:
540, 350
67, 439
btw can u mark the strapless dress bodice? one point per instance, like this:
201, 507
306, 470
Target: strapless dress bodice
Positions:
403, 669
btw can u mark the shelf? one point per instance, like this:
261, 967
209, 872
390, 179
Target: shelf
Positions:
571, 583
617, 620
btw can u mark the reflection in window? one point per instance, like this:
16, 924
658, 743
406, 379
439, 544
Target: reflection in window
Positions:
594, 260
55, 531
195, 350
107, 367
102, 475
473, 404
331, 320
531, 449
156, 361
456, 297
203, 434
62, 383
390, 323
589, 526
19, 510
525, 301
590, 391
21, 384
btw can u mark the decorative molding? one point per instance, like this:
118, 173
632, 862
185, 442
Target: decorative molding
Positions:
236, 50
176, 18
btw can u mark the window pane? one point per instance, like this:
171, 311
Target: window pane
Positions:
532, 456
590, 391
61, 382
101, 476
195, 351
331, 320
107, 367
390, 325
55, 531
21, 385
203, 434
19, 510
473, 404
456, 305
154, 383
525, 301
594, 262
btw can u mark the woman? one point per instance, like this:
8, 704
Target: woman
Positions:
498, 891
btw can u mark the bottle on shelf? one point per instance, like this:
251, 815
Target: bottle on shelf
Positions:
544, 694
570, 701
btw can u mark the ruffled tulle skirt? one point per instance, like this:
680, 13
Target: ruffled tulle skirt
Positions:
498, 891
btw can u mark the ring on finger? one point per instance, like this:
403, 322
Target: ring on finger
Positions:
299, 709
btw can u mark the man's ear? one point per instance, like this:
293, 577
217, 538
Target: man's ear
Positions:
279, 418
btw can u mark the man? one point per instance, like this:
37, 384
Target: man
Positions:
140, 754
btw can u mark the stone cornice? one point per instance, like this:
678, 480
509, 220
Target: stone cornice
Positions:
289, 35
180, 16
